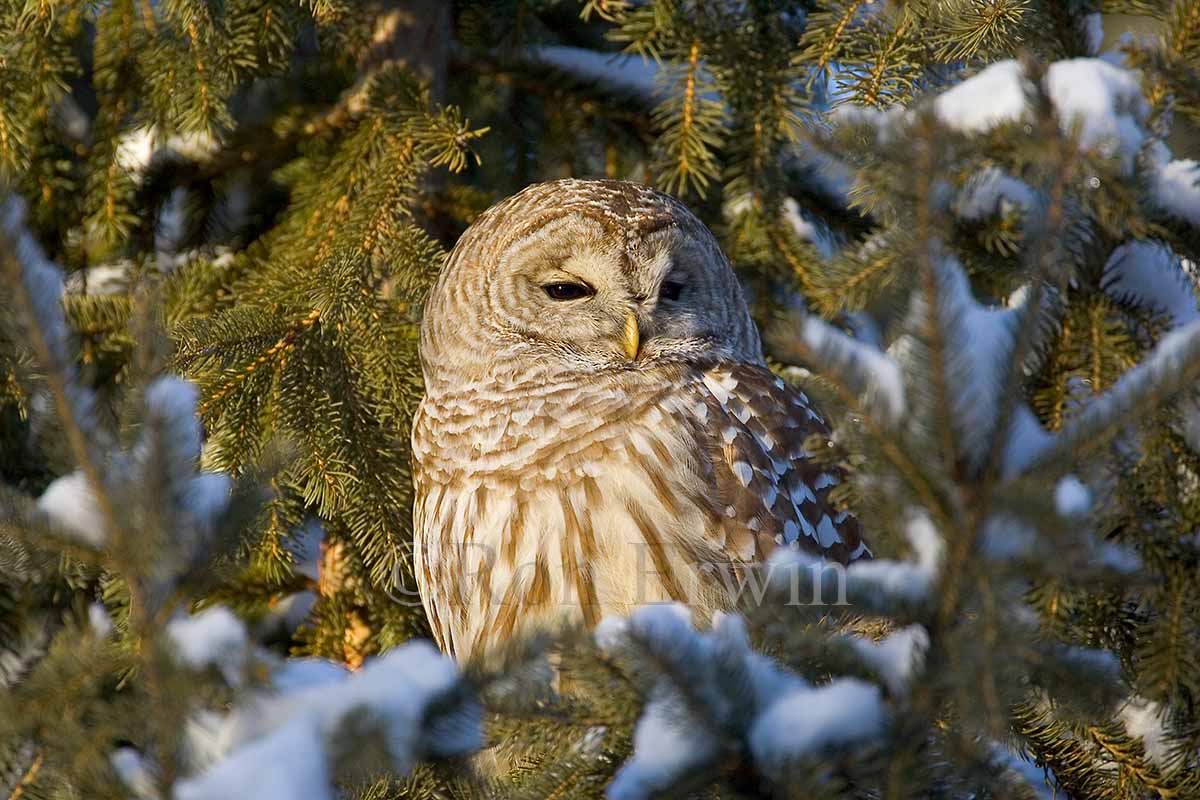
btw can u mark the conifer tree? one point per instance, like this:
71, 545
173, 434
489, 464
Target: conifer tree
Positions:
970, 226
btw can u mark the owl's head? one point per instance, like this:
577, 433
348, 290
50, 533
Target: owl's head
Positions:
587, 276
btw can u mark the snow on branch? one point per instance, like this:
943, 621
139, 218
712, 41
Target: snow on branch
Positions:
715, 691
139, 149
1176, 188
70, 505
1026, 438
1149, 274
992, 97
975, 348
979, 342
808, 720
1104, 102
862, 369
896, 658
1172, 367
910, 580
878, 583
1101, 100
1146, 720
992, 190
290, 763
215, 637
806, 230
280, 745
165, 460
170, 441
169, 451
42, 280
1072, 497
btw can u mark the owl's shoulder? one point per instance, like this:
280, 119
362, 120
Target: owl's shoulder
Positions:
774, 493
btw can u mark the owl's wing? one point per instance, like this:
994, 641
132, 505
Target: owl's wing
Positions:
769, 492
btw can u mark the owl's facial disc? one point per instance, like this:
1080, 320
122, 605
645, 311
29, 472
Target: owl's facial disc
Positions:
578, 294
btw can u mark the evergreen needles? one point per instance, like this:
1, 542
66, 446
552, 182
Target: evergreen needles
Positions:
971, 235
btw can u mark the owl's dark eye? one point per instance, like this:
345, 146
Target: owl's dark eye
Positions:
568, 291
671, 290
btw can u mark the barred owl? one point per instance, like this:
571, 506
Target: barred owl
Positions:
599, 429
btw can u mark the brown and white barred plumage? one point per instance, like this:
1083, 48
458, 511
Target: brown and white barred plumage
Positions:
556, 473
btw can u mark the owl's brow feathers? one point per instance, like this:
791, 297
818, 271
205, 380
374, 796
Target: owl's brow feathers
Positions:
627, 211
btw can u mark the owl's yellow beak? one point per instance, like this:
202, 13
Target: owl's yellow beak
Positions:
630, 338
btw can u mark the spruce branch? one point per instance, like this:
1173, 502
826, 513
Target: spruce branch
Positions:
608, 10
690, 125
863, 370
1045, 260
930, 327
275, 351
802, 272
886, 73
29, 777
37, 285
147, 12
648, 29
834, 354
1171, 369
979, 28
825, 35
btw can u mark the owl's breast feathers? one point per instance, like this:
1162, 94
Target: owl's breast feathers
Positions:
589, 498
